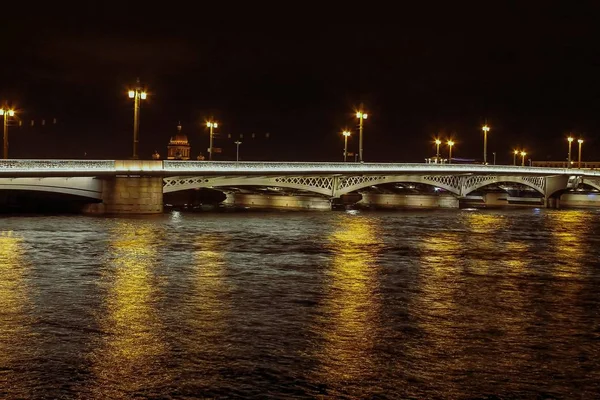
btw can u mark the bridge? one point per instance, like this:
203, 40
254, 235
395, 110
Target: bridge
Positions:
137, 186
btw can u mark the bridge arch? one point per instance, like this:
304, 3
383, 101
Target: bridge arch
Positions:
322, 185
474, 183
354, 183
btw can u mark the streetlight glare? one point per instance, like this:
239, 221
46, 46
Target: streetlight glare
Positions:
11, 113
570, 139
438, 141
143, 95
580, 141
516, 151
346, 133
485, 128
523, 153
450, 143
131, 94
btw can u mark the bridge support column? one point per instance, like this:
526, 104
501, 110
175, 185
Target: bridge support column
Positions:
130, 195
553, 202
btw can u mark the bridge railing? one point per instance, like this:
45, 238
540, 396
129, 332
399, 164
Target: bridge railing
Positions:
29, 166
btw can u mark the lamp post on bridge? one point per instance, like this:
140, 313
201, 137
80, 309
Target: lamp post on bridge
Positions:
346, 134
136, 94
6, 113
361, 116
211, 125
437, 151
450, 144
580, 141
515, 153
523, 154
237, 150
485, 130
570, 139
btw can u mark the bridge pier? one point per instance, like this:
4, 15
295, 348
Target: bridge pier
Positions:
130, 195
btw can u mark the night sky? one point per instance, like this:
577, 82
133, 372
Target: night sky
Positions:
298, 71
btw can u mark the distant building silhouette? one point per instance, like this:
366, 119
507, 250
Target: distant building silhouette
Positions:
179, 147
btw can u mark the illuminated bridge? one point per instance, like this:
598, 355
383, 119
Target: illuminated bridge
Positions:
136, 186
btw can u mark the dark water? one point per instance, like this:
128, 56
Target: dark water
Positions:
445, 304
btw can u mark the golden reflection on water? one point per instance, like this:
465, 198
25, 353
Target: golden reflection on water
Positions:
351, 308
14, 305
209, 288
127, 359
569, 233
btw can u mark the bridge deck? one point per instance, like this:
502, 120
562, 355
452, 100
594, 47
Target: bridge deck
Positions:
73, 168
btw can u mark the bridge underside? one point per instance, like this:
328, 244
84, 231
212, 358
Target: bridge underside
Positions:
334, 186
86, 187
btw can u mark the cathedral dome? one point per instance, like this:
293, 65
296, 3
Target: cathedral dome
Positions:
179, 147
179, 138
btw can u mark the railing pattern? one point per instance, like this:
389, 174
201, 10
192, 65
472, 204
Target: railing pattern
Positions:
322, 182
57, 165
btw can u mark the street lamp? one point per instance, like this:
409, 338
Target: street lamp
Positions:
523, 154
346, 134
6, 113
485, 130
437, 152
516, 152
580, 141
570, 139
136, 94
237, 150
360, 115
211, 125
450, 144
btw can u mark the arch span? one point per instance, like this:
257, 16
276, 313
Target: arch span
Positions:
322, 185
474, 183
354, 183
87, 187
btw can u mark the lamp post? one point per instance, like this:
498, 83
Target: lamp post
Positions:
136, 94
485, 130
516, 152
494, 153
437, 151
570, 139
450, 144
361, 116
580, 141
211, 125
523, 154
346, 134
6, 113
237, 150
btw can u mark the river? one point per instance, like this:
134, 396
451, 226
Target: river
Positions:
455, 304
